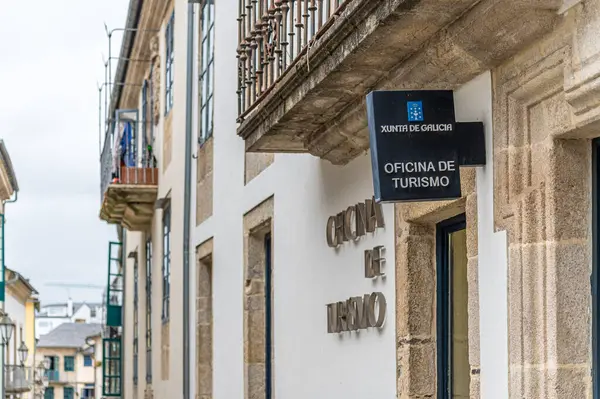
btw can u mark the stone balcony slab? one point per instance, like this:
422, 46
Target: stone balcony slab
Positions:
317, 105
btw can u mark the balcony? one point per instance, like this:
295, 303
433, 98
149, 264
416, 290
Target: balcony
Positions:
57, 377
52, 375
18, 379
129, 177
305, 66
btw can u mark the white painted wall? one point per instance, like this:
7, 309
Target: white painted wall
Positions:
43, 325
83, 313
16, 311
307, 273
473, 102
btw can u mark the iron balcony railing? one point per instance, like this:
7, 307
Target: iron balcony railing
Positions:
272, 36
53, 375
106, 165
18, 379
127, 155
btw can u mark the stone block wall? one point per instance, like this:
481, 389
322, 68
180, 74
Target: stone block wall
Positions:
543, 200
255, 163
257, 223
204, 321
416, 290
546, 106
204, 181
165, 349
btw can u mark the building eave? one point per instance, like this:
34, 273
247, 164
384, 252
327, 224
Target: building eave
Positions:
133, 17
8, 167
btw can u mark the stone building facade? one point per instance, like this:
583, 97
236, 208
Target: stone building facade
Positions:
542, 59
523, 295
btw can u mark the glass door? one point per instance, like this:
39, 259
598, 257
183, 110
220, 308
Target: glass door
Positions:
454, 371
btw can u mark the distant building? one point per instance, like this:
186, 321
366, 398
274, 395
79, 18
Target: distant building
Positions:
74, 351
20, 305
53, 315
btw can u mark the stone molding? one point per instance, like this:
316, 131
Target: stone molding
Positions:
165, 351
204, 320
204, 181
546, 109
257, 223
415, 233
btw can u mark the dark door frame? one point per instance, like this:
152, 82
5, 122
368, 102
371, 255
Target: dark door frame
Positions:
444, 303
595, 272
268, 318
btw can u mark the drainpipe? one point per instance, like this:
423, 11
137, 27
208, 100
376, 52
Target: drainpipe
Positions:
12, 201
187, 197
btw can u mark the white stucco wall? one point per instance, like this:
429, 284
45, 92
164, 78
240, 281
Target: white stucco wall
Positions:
16, 311
43, 325
473, 102
83, 313
307, 273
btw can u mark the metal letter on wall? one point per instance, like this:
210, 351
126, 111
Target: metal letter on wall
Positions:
354, 222
332, 325
374, 261
349, 228
330, 232
357, 313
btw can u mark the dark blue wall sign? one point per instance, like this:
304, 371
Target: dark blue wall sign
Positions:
414, 153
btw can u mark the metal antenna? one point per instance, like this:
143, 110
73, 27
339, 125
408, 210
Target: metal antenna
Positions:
100, 88
108, 75
109, 34
106, 91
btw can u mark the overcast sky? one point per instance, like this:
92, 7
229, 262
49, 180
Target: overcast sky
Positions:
50, 61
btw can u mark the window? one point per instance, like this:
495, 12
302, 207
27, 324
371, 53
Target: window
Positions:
150, 117
53, 362
53, 372
454, 370
112, 366
49, 393
145, 119
206, 78
147, 124
87, 361
68, 393
57, 311
93, 313
135, 320
69, 363
166, 265
89, 392
169, 58
149, 309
